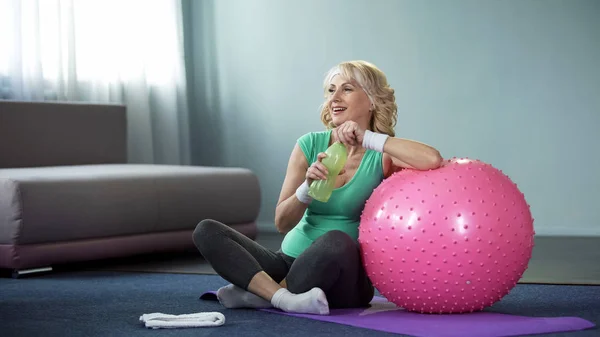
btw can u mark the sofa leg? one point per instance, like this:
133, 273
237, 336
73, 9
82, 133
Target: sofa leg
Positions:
17, 273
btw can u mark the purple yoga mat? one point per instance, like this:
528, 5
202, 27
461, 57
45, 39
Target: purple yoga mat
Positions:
386, 316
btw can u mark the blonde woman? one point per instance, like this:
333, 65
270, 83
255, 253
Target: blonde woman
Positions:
318, 266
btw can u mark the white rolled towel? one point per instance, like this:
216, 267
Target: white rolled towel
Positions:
158, 320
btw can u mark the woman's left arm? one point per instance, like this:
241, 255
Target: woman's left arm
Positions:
406, 153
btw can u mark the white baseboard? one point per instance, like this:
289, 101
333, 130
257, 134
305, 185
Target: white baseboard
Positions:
567, 231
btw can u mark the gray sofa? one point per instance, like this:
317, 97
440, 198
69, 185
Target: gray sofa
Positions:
67, 193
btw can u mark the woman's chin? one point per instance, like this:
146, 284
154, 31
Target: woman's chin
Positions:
338, 120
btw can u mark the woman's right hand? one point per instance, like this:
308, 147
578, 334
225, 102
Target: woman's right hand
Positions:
317, 171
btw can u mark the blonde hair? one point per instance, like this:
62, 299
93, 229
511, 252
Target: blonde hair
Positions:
374, 82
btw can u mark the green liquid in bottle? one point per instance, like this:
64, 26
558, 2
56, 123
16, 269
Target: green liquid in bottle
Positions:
336, 159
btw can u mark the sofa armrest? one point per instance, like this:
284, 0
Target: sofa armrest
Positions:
34, 134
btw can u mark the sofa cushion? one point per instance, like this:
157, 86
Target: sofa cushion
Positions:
36, 134
62, 203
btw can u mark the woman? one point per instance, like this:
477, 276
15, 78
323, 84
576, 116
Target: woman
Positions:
319, 264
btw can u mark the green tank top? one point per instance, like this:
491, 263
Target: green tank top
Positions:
344, 208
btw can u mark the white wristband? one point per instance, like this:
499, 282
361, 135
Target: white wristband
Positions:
374, 141
302, 193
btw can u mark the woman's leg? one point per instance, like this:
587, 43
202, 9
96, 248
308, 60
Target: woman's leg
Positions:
251, 267
235, 257
333, 263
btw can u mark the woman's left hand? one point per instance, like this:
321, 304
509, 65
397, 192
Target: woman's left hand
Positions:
349, 133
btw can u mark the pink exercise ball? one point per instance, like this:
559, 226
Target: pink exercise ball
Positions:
452, 240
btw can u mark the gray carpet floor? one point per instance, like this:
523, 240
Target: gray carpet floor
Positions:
106, 303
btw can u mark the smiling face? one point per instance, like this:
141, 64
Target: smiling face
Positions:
347, 101
359, 91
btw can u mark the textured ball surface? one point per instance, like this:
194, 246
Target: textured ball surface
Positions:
451, 240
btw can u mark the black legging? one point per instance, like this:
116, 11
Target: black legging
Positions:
332, 263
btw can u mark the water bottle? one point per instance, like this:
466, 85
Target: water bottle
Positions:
336, 159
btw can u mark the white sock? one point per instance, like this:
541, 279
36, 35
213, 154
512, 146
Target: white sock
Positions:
313, 301
232, 297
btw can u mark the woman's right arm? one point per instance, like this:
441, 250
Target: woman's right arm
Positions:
289, 208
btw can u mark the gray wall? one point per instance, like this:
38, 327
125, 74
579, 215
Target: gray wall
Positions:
513, 83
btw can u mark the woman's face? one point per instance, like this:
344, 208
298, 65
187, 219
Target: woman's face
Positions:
348, 101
